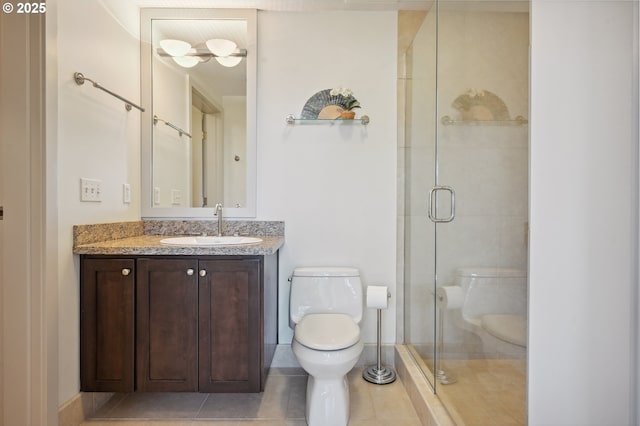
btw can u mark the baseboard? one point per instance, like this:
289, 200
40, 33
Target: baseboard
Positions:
80, 407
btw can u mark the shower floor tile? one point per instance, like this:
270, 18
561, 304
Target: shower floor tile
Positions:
281, 404
487, 391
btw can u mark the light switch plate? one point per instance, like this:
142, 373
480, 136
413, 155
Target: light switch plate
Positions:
126, 193
90, 190
176, 197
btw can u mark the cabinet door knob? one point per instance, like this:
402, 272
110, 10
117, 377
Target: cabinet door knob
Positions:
203, 272
189, 271
126, 271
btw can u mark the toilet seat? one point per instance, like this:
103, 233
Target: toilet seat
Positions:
327, 332
510, 328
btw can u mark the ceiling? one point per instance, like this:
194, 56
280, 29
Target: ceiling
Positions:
127, 11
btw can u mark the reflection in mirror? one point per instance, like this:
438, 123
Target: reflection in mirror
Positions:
198, 69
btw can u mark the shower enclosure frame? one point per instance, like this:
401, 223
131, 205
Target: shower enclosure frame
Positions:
435, 200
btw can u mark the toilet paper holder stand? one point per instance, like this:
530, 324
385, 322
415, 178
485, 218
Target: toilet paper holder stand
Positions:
379, 374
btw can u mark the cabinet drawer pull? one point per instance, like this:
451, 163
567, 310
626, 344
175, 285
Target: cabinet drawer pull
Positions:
126, 271
203, 272
189, 271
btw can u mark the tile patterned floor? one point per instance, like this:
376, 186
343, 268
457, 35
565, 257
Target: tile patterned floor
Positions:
282, 403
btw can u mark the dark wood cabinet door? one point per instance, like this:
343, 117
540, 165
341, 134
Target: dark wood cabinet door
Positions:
167, 325
107, 325
230, 327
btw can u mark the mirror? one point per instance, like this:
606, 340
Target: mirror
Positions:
198, 133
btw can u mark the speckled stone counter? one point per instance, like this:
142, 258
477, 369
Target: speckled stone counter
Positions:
143, 238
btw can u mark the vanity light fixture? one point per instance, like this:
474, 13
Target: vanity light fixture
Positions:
198, 49
221, 47
186, 61
226, 52
229, 61
175, 47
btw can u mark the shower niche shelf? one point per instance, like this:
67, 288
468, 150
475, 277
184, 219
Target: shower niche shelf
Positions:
291, 119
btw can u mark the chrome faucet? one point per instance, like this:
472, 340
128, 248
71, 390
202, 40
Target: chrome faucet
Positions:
217, 211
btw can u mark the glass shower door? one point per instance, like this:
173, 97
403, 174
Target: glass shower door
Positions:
466, 202
479, 205
419, 79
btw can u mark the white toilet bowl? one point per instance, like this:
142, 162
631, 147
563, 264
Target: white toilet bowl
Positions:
327, 387
325, 309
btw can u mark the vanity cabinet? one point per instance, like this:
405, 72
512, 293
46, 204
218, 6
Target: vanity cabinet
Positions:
167, 325
202, 323
107, 325
229, 326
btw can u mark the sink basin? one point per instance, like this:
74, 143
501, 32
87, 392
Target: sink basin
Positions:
209, 241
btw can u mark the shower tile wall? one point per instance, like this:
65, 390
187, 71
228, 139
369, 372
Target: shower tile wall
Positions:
486, 165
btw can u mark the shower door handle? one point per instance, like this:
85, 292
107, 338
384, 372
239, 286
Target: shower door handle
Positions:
432, 204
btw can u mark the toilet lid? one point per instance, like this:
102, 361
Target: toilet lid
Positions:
510, 328
327, 332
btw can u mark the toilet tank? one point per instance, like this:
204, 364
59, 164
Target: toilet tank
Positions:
492, 291
316, 290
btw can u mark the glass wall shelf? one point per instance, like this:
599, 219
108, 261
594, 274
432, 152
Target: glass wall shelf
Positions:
518, 121
291, 119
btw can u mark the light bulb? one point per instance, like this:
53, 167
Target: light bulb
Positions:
221, 47
229, 61
186, 61
175, 47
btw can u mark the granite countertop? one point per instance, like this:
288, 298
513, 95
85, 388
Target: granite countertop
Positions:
143, 238
150, 245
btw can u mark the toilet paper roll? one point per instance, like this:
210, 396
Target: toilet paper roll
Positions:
450, 297
377, 297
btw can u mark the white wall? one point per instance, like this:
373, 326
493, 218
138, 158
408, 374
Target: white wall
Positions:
584, 214
197, 179
214, 186
171, 151
235, 137
97, 138
333, 185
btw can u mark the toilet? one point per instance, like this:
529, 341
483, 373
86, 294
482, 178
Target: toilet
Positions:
495, 308
325, 310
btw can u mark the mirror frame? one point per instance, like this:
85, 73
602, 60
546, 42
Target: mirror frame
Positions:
147, 15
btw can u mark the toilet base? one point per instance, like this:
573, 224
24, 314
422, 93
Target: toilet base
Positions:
327, 387
330, 402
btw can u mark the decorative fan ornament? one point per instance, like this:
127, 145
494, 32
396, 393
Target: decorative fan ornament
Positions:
481, 105
329, 103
